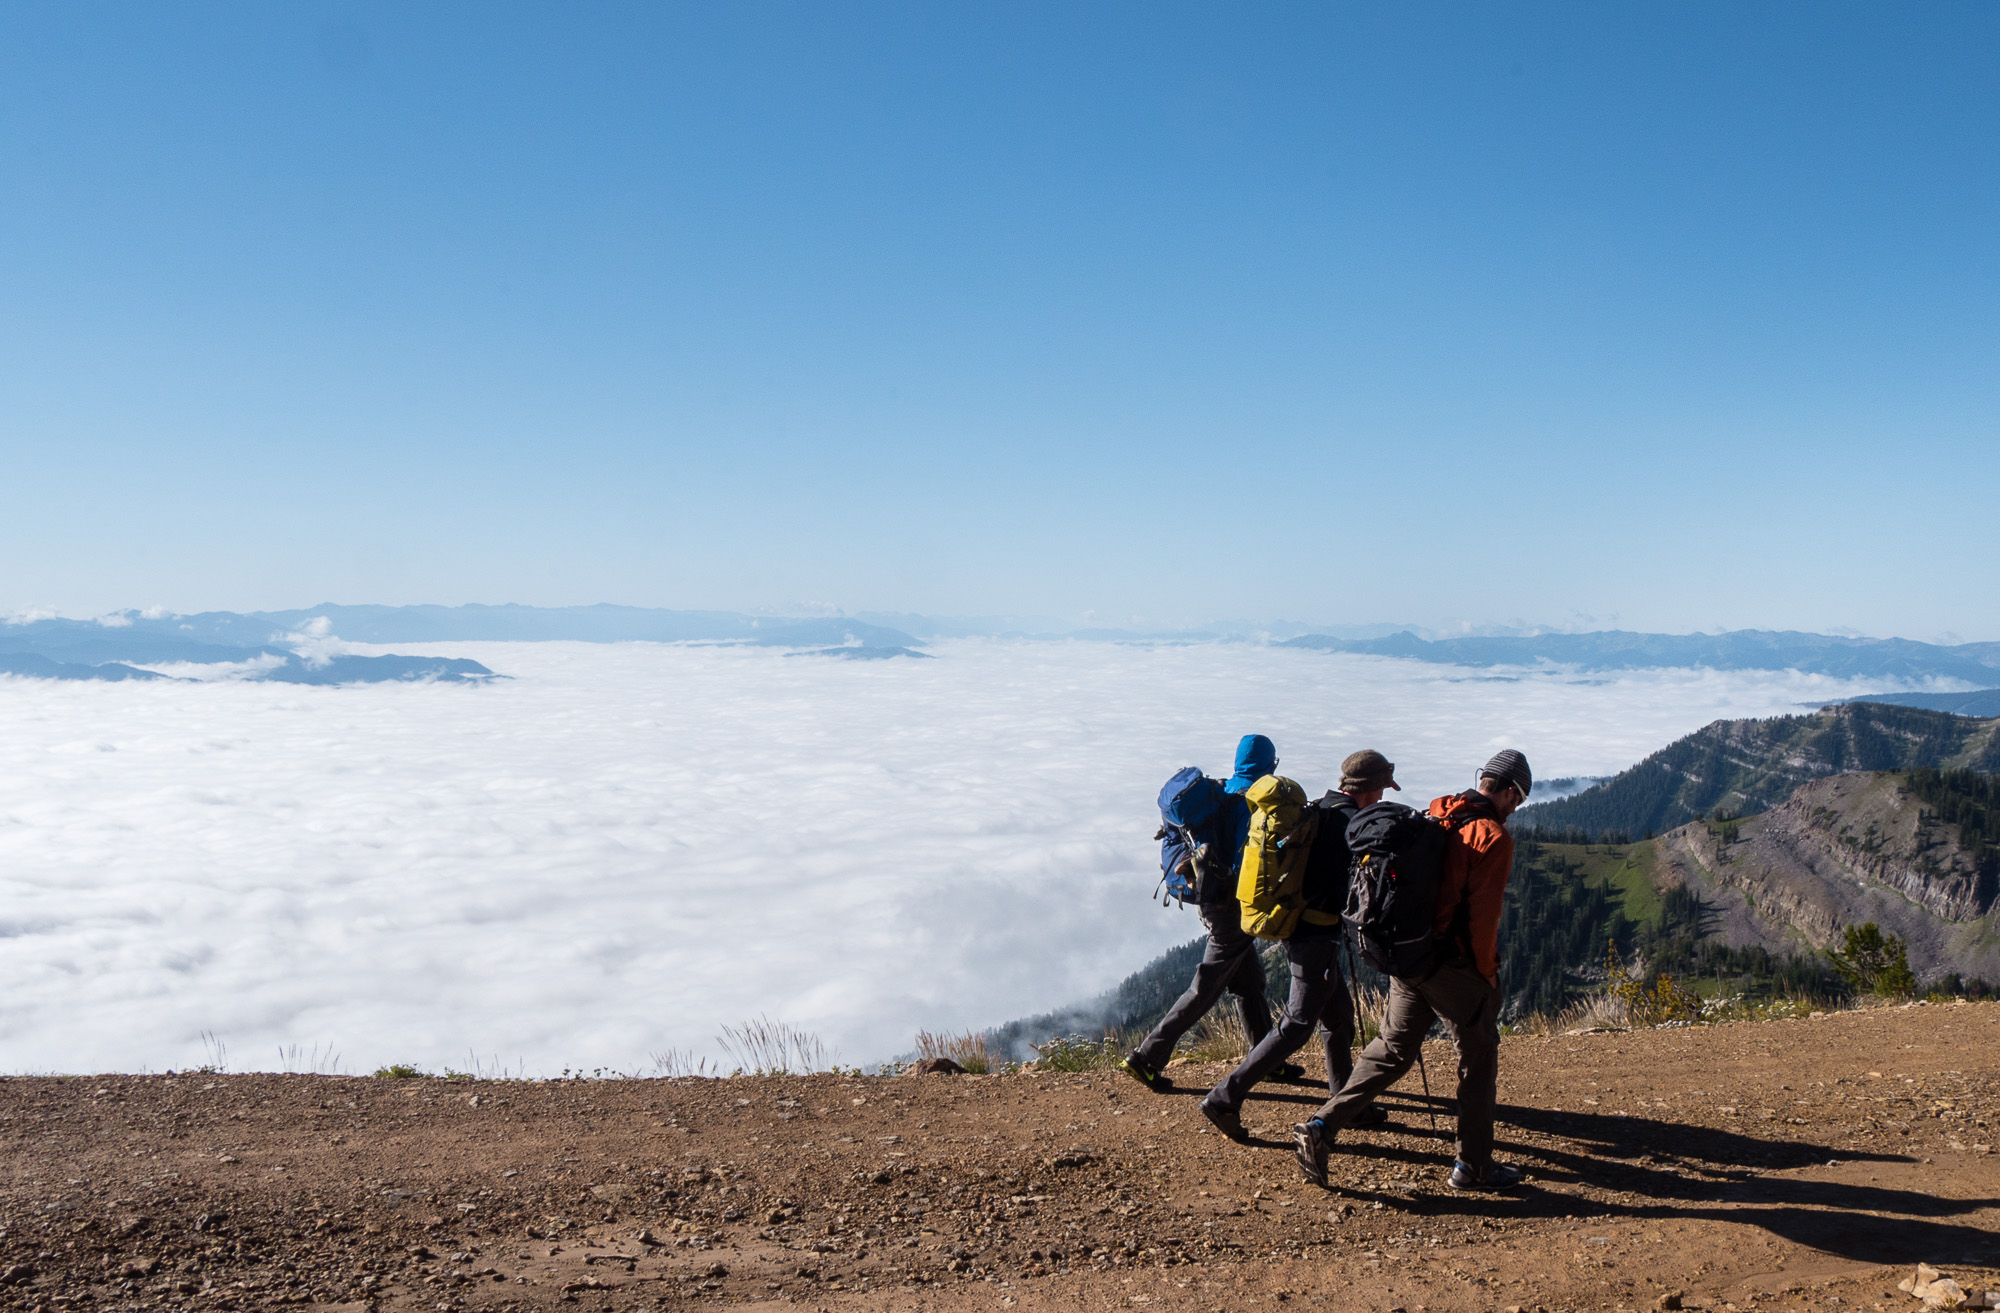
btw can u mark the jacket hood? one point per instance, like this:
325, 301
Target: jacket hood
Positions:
1464, 806
1255, 758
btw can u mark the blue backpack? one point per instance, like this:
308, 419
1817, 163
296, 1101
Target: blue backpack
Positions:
1195, 837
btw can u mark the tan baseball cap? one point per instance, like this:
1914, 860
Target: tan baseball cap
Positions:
1368, 769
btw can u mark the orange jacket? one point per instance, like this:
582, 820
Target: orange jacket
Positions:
1476, 867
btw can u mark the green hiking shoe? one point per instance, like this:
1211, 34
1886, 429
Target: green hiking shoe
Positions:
1135, 1067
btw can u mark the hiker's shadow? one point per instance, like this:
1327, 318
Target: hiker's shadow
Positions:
1678, 1170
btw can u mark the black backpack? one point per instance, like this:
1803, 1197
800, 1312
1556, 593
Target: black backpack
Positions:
1328, 864
1392, 888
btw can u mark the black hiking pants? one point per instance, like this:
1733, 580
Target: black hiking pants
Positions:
1229, 963
1318, 997
1471, 1010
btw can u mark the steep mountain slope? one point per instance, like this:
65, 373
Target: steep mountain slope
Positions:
1747, 766
1842, 851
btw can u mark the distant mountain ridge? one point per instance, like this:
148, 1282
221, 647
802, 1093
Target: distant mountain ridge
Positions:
1743, 649
1983, 702
267, 642
1749, 766
141, 638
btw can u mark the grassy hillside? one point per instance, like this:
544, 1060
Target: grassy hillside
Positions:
1567, 903
1747, 766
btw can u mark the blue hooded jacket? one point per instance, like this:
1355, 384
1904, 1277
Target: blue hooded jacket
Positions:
1256, 757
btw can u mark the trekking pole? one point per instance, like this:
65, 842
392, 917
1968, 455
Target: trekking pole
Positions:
1426, 1077
1354, 990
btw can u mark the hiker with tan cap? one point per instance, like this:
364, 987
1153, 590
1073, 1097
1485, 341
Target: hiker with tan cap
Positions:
1319, 993
1449, 969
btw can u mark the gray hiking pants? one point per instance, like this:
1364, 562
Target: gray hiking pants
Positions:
1319, 997
1229, 963
1471, 1009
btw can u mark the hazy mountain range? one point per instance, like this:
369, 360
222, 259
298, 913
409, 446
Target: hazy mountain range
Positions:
1743, 649
133, 639
277, 645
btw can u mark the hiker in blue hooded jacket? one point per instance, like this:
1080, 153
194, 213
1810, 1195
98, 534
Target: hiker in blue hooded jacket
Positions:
1229, 964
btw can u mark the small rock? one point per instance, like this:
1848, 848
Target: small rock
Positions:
227, 1158
14, 1274
1944, 1293
647, 1238
716, 1270
1922, 1280
1670, 1300
132, 1226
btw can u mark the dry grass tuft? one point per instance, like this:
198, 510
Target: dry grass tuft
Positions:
1373, 1006
674, 1064
772, 1048
1217, 1037
968, 1050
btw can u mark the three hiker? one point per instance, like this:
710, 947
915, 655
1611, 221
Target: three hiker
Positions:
1420, 895
1462, 986
1229, 962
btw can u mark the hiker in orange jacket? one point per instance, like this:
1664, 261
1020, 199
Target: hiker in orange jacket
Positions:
1476, 870
1463, 990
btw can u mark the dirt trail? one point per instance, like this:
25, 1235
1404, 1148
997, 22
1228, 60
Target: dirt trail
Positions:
1773, 1165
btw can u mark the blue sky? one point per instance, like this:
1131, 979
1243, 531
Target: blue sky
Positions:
1666, 317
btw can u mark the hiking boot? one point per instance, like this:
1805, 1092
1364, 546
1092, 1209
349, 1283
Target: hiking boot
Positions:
1371, 1115
1135, 1067
1288, 1071
1495, 1177
1226, 1120
1309, 1147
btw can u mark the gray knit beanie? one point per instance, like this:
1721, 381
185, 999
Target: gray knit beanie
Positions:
1510, 766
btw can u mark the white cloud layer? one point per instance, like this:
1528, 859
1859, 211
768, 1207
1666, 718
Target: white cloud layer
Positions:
625, 845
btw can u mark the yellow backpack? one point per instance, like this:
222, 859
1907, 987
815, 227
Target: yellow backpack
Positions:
1271, 882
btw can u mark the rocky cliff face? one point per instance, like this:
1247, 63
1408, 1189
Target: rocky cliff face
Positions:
1841, 851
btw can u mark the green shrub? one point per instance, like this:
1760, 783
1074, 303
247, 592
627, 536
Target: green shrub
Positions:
1874, 963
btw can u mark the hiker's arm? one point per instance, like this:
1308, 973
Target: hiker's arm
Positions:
1491, 860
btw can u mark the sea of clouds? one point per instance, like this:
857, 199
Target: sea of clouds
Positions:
624, 846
